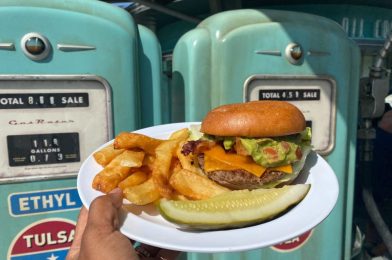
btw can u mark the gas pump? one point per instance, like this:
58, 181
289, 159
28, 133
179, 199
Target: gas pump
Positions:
245, 55
373, 92
69, 81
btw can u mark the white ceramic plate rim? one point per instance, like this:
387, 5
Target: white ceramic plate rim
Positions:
145, 225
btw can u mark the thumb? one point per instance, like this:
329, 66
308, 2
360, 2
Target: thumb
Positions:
104, 212
116, 196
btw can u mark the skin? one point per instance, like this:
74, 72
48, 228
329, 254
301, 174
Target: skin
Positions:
97, 234
386, 122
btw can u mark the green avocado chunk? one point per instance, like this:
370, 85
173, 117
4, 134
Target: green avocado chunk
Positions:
269, 152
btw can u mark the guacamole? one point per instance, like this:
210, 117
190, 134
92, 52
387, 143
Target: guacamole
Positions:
270, 152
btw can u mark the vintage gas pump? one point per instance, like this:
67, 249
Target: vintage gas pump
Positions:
245, 55
373, 92
69, 81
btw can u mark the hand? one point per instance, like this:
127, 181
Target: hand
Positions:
386, 122
97, 234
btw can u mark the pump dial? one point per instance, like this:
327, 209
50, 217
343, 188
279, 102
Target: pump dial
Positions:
35, 46
294, 53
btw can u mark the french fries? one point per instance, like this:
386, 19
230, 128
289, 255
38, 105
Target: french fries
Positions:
180, 135
134, 179
133, 140
147, 169
143, 193
106, 154
195, 186
117, 170
163, 160
132, 159
161, 170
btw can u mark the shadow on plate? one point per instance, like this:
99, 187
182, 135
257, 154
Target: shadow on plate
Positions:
311, 160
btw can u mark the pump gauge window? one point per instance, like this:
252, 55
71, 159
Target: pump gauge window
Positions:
313, 95
50, 124
35, 46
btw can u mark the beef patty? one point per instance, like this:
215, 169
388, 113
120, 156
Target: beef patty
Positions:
240, 179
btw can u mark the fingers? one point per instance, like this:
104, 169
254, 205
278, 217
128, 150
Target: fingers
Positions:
165, 254
149, 252
386, 122
73, 252
101, 238
80, 226
100, 225
146, 251
102, 206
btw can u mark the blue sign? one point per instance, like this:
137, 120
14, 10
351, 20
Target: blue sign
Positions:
28, 203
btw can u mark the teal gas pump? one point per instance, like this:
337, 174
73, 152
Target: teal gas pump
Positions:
70, 79
246, 55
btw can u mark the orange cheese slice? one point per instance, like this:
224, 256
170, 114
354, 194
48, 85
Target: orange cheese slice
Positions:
216, 159
284, 168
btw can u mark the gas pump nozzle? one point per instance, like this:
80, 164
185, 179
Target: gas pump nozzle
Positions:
372, 96
373, 91
375, 88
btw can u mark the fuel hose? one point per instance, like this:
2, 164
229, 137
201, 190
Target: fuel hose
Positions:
372, 208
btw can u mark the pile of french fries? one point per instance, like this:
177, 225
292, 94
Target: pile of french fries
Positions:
147, 169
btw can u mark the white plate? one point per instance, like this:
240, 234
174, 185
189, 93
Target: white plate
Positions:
144, 224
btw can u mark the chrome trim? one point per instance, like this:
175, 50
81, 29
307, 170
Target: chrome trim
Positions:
318, 53
74, 47
7, 46
331, 146
273, 53
58, 77
9, 180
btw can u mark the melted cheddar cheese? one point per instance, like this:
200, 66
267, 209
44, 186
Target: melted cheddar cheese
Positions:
217, 159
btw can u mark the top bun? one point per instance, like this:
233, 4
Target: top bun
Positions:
254, 119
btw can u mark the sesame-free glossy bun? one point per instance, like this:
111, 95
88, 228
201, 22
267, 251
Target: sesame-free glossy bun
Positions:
254, 119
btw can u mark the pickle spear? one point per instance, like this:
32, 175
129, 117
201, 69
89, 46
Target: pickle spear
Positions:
233, 209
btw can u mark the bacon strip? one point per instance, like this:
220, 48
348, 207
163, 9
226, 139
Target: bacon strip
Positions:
196, 147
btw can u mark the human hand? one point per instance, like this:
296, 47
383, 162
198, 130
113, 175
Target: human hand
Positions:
97, 234
386, 122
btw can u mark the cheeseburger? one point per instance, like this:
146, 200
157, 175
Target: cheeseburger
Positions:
259, 144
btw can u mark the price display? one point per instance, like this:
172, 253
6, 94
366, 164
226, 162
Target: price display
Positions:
43, 149
289, 94
48, 100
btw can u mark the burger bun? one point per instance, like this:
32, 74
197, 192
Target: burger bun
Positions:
254, 119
